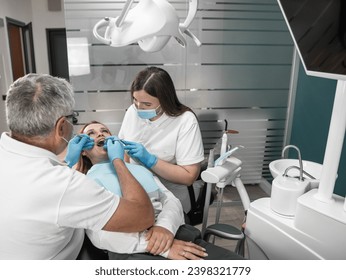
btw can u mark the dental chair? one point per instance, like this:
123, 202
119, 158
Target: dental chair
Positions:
225, 171
90, 252
197, 193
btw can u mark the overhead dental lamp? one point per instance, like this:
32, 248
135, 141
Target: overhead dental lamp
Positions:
151, 23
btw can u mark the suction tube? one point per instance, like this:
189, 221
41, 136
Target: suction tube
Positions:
222, 158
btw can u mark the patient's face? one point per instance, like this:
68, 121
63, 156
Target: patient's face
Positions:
98, 132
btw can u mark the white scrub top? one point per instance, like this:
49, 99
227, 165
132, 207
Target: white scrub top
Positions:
170, 217
44, 205
176, 140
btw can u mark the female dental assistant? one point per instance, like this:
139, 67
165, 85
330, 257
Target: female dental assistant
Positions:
163, 134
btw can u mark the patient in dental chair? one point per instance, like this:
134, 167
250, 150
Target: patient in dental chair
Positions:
161, 240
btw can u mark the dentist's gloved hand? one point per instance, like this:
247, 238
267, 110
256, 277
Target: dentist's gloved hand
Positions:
139, 152
75, 147
114, 148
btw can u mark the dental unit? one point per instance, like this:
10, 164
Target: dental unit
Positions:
293, 223
304, 218
222, 172
286, 190
151, 24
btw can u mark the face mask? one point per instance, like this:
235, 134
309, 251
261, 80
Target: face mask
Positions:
147, 114
63, 138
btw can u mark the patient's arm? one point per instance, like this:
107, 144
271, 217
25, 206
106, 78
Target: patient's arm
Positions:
172, 214
161, 235
159, 240
167, 223
182, 250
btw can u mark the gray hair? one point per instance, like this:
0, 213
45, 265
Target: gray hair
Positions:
35, 102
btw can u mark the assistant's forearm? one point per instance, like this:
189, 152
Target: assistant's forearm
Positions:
178, 174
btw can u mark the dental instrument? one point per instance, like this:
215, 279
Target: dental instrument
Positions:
225, 155
151, 23
224, 144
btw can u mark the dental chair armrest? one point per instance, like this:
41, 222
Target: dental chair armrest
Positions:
224, 231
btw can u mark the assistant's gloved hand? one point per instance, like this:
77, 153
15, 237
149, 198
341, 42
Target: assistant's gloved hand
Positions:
139, 152
114, 148
75, 147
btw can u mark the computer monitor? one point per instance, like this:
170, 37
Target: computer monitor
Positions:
318, 29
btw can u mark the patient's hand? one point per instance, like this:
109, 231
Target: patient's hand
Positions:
182, 250
160, 240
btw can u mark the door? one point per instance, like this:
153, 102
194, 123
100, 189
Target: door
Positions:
57, 52
21, 48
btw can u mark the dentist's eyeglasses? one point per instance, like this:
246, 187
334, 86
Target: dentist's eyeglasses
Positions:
73, 117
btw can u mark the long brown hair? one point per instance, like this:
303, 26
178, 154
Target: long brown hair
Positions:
158, 83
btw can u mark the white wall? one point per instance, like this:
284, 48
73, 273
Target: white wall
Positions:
35, 11
19, 10
42, 19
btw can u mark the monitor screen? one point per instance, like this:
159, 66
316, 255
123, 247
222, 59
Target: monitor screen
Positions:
318, 28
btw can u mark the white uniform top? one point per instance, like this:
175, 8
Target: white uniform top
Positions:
176, 140
170, 217
44, 205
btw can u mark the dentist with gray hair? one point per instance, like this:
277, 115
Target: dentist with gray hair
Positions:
44, 204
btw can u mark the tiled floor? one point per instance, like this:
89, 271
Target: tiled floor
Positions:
232, 211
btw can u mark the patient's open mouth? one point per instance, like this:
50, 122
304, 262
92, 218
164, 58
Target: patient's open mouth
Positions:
101, 143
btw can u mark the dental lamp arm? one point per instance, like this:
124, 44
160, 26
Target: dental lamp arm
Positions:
194, 38
103, 22
191, 14
124, 12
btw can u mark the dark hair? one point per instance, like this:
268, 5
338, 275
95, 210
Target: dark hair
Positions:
158, 83
84, 163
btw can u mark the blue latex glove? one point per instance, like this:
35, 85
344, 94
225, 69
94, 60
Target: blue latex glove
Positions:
114, 148
139, 152
75, 147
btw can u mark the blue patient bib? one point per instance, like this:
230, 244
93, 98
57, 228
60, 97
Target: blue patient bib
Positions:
105, 174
